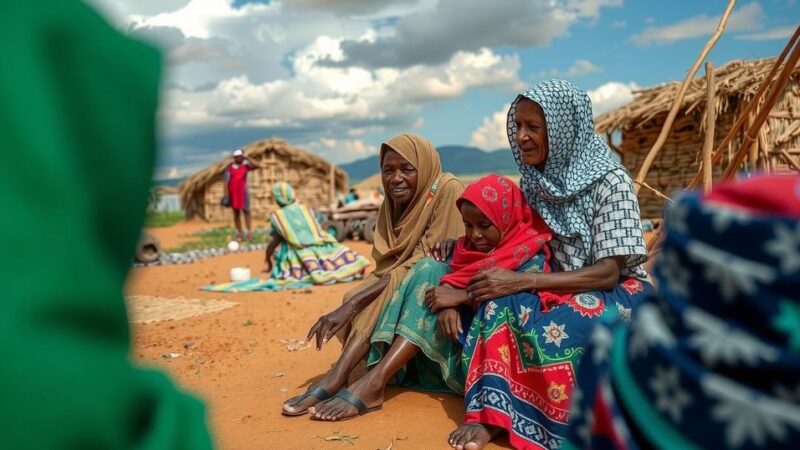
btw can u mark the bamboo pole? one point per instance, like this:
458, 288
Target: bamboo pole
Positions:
753, 156
764, 146
662, 137
717, 157
711, 119
752, 133
654, 239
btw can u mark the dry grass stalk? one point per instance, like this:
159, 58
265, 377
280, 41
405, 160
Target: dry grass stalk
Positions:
711, 118
655, 191
764, 147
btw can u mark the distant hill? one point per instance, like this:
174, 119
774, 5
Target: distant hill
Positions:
456, 159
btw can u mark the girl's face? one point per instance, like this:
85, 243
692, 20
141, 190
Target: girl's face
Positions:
483, 234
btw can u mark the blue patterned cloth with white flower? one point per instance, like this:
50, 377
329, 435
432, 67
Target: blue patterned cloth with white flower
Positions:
713, 361
522, 359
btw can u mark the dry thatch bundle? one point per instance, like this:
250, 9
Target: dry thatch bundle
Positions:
310, 175
639, 123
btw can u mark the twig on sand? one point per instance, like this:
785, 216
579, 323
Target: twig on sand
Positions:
296, 345
395, 439
342, 438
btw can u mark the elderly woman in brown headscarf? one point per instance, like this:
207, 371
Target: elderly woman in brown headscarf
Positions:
418, 211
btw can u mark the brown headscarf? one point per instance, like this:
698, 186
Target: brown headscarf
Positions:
402, 238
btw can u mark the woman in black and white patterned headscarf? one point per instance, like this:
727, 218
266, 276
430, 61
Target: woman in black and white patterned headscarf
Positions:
571, 179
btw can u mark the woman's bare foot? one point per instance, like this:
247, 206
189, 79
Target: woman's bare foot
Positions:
473, 436
299, 404
368, 390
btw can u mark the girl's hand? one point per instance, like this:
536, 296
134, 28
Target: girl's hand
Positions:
442, 250
449, 323
496, 283
443, 297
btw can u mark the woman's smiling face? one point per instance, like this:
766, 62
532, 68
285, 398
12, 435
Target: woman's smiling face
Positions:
399, 178
531, 133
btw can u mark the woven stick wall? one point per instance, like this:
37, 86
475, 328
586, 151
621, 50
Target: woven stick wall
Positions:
678, 161
783, 128
309, 175
641, 120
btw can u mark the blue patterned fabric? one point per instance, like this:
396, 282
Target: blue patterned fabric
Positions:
583, 193
714, 360
521, 361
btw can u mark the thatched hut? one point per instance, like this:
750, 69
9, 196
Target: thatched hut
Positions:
639, 123
312, 177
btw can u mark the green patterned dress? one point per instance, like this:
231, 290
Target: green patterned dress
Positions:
439, 367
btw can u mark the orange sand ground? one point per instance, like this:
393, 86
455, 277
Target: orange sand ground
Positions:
236, 361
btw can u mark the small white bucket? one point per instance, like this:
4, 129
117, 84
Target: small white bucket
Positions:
240, 274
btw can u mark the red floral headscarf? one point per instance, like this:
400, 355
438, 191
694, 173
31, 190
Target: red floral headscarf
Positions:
524, 233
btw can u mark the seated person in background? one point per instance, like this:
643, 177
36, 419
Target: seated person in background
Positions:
351, 197
713, 361
306, 252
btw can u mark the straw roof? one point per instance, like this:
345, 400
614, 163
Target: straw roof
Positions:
257, 149
735, 82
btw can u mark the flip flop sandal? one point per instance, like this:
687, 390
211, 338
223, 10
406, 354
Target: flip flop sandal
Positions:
316, 391
362, 409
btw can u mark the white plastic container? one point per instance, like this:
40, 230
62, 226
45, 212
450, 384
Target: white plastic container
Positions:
240, 274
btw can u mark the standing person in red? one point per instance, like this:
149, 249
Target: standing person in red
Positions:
236, 195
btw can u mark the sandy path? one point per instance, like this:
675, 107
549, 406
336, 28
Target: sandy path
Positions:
236, 362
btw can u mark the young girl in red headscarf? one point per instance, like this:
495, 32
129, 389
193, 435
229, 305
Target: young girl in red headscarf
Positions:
419, 336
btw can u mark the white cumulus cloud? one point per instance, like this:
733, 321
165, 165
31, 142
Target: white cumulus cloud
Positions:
611, 95
774, 34
747, 18
492, 134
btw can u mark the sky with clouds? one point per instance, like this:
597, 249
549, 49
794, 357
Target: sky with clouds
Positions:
339, 77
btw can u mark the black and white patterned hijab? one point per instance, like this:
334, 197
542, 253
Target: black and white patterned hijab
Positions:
577, 159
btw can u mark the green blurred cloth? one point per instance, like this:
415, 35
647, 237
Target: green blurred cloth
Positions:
77, 130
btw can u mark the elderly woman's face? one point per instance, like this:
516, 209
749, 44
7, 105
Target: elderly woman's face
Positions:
399, 178
531, 133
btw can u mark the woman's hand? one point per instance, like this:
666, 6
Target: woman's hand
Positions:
442, 250
328, 325
449, 323
442, 297
496, 283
